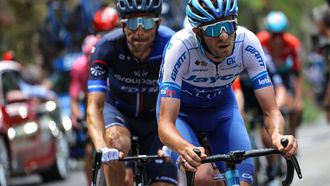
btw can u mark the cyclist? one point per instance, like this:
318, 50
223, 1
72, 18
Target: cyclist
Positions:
78, 94
199, 66
123, 90
284, 49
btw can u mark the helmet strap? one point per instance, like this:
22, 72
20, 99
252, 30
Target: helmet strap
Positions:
205, 47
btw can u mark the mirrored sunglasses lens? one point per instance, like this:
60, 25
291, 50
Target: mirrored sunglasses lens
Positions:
134, 23
148, 23
215, 30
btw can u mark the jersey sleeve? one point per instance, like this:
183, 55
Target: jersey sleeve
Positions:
175, 64
255, 63
99, 68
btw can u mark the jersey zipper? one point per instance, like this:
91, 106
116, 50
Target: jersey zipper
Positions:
139, 96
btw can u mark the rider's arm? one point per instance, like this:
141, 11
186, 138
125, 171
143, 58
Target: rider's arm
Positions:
274, 121
175, 64
168, 133
256, 68
75, 88
95, 119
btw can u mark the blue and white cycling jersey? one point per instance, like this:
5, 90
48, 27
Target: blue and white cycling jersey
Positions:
187, 74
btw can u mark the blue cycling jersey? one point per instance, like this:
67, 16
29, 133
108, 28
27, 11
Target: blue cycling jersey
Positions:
187, 74
130, 85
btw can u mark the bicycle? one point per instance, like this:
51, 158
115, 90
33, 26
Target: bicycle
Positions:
233, 158
139, 163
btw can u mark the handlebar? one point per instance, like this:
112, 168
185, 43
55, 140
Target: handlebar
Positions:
142, 158
98, 162
236, 157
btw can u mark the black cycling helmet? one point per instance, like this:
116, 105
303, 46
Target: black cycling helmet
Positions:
139, 6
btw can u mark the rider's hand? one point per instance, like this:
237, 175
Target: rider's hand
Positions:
164, 153
290, 149
109, 154
190, 160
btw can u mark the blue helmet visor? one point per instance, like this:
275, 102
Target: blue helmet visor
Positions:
214, 30
147, 23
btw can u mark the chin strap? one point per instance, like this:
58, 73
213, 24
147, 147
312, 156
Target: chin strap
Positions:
204, 47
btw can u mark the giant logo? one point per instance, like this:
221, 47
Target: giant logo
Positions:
178, 65
256, 53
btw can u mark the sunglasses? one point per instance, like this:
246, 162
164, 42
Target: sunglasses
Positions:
214, 30
147, 23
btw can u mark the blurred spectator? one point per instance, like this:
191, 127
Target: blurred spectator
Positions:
173, 13
105, 19
320, 55
78, 93
8, 55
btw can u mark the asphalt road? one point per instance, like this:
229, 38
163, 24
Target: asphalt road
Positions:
313, 156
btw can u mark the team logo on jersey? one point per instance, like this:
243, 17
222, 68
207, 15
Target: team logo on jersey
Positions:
178, 65
168, 93
97, 70
124, 57
231, 61
139, 73
256, 53
201, 63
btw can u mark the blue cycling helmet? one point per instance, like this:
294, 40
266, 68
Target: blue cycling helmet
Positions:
276, 22
204, 11
139, 6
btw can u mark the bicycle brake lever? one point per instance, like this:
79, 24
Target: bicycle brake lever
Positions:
290, 173
296, 166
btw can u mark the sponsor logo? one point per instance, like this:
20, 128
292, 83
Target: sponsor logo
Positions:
256, 53
264, 81
97, 70
194, 78
231, 61
202, 63
204, 93
142, 73
168, 93
247, 176
139, 89
124, 57
178, 65
137, 81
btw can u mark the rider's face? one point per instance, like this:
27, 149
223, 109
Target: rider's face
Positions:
140, 31
221, 45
